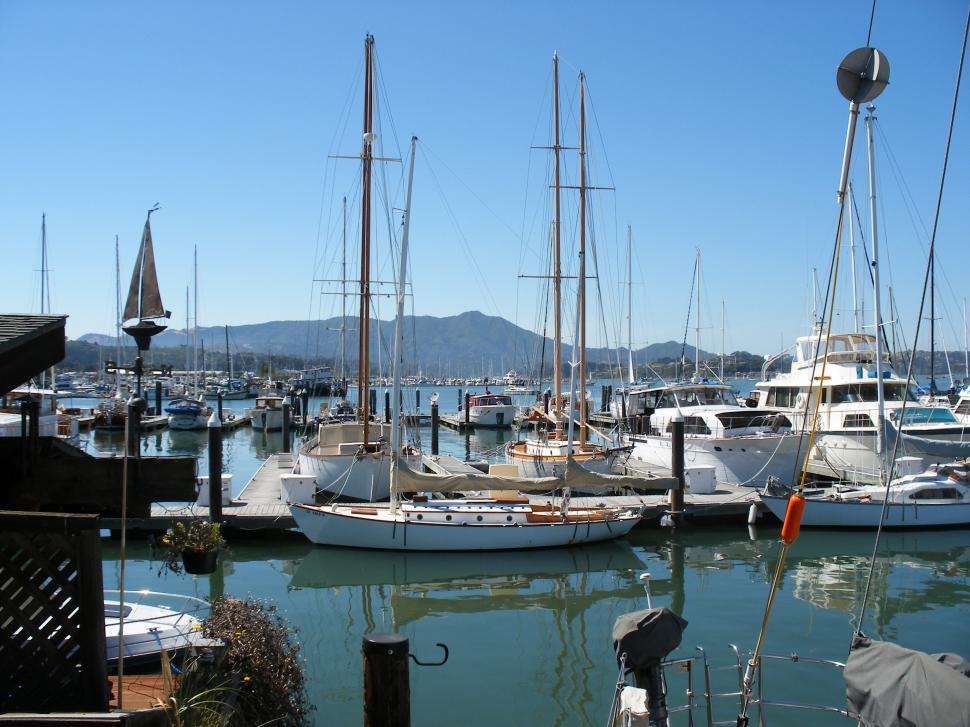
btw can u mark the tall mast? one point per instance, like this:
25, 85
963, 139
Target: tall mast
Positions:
629, 303
44, 291
228, 362
117, 319
697, 319
188, 339
932, 322
556, 261
722, 339
195, 320
343, 296
816, 321
366, 155
398, 331
582, 260
966, 345
877, 311
855, 294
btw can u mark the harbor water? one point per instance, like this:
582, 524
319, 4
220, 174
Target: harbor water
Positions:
529, 632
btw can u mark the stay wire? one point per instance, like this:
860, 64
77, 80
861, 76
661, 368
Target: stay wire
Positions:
919, 322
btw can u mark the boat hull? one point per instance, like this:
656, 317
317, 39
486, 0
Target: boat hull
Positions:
832, 514
266, 420
186, 421
339, 526
495, 417
737, 461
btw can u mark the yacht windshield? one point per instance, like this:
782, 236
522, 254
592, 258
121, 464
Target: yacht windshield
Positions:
925, 415
706, 396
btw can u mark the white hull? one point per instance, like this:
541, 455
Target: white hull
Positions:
853, 455
186, 421
266, 420
737, 461
151, 629
830, 514
499, 417
377, 528
367, 479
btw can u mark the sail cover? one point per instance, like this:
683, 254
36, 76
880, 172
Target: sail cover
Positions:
924, 447
890, 686
576, 476
144, 298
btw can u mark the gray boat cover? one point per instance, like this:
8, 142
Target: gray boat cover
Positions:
647, 636
890, 686
923, 446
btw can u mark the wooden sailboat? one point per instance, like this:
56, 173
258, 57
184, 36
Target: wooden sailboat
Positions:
486, 523
349, 459
544, 452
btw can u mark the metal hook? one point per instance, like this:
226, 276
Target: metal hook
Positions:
431, 663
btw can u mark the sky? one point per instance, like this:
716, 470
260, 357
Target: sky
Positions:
717, 126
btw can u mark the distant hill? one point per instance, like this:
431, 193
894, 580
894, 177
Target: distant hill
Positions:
462, 345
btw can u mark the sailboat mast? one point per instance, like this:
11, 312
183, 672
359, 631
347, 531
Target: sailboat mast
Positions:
966, 344
855, 294
877, 310
117, 318
228, 362
582, 260
557, 262
722, 340
343, 296
398, 331
697, 319
629, 303
363, 351
188, 339
44, 292
932, 322
195, 320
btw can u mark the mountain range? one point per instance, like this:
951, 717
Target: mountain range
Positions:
464, 344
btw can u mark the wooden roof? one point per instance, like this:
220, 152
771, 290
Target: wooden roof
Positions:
28, 345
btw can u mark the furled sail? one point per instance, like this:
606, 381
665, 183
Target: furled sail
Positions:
576, 476
144, 298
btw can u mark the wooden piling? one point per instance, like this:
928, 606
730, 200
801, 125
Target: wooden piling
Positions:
158, 398
215, 466
467, 400
286, 424
434, 427
387, 688
387, 407
677, 468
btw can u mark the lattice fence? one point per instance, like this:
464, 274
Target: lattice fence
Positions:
52, 643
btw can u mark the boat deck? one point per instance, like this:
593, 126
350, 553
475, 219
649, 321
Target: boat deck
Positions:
258, 506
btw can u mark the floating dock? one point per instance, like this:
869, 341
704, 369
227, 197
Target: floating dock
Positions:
259, 506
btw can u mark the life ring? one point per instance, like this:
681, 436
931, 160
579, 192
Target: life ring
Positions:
800, 401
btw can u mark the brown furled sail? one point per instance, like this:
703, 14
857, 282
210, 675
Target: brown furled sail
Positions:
144, 298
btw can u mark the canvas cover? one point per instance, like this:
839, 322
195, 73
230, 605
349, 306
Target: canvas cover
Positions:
576, 476
890, 686
924, 447
647, 636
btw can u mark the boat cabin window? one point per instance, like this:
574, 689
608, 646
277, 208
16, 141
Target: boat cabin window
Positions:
704, 397
855, 421
925, 415
850, 393
938, 493
963, 406
113, 610
492, 400
783, 396
692, 425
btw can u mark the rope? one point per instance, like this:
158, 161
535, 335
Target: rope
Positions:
919, 321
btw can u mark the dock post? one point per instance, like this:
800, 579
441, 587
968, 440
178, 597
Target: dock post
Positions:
286, 424
677, 467
136, 406
460, 399
158, 398
219, 404
387, 686
546, 395
609, 397
434, 426
214, 428
33, 424
387, 407
467, 400
603, 397
373, 402
305, 400
417, 400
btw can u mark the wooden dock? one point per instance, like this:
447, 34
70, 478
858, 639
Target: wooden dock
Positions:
457, 422
231, 425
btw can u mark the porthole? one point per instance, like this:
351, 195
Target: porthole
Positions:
509, 518
420, 517
447, 517
480, 518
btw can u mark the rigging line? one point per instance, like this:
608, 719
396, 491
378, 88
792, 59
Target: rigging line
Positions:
919, 322
690, 303
872, 17
451, 171
881, 329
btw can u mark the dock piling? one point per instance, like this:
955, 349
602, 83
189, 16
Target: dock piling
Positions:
215, 466
373, 402
136, 405
417, 400
286, 424
387, 407
467, 400
387, 686
218, 404
677, 468
158, 398
434, 426
546, 395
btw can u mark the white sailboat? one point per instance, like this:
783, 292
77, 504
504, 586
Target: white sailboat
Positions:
485, 523
546, 452
191, 412
349, 459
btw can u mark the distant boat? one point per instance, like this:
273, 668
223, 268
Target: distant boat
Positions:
187, 413
491, 410
153, 623
267, 413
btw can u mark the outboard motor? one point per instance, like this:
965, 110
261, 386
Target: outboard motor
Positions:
641, 640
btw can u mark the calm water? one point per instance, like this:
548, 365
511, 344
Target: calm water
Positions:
529, 632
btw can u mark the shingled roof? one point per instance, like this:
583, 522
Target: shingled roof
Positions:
28, 345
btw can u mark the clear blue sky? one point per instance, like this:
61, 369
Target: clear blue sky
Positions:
720, 122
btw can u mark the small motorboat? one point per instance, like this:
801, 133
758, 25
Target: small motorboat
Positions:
153, 623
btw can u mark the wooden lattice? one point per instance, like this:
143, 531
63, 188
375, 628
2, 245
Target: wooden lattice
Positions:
52, 646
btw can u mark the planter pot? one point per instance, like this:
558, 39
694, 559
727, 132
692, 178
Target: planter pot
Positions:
199, 563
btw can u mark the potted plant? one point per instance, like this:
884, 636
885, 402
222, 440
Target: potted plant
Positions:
194, 548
